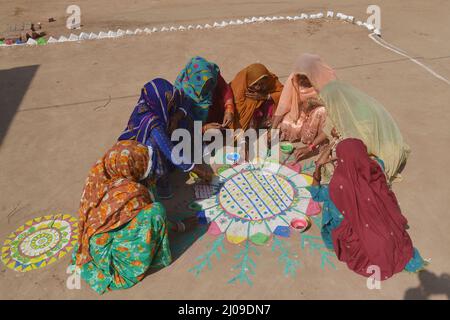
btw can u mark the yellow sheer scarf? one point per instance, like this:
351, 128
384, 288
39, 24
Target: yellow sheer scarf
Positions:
354, 114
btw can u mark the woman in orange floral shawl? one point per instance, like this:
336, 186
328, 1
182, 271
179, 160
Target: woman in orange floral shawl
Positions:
122, 232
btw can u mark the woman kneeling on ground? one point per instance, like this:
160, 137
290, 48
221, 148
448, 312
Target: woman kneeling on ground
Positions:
158, 113
362, 221
122, 230
256, 94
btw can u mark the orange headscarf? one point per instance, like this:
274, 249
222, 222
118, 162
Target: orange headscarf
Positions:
317, 72
244, 79
112, 193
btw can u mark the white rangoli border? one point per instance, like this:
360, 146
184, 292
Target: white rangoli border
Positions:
181, 28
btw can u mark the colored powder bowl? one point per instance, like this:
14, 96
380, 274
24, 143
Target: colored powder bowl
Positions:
41, 41
286, 147
194, 206
301, 224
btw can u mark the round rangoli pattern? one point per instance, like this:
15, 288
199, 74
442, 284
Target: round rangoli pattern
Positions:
257, 200
256, 195
40, 242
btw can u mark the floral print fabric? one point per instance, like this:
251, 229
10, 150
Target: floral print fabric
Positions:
121, 257
112, 194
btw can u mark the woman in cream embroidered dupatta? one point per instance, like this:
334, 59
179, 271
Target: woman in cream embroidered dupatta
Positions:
300, 114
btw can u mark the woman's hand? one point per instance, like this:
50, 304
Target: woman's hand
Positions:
228, 119
205, 173
256, 95
212, 125
301, 152
325, 156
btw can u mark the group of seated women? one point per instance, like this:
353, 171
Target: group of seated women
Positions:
123, 226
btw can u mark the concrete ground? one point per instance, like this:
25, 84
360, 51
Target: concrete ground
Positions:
63, 105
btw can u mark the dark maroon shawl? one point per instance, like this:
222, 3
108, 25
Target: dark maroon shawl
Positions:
373, 229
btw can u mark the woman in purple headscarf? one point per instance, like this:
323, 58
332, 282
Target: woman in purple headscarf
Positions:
157, 113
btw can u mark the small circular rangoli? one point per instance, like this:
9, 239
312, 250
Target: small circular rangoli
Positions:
39, 242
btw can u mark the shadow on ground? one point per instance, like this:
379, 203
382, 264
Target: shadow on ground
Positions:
14, 84
430, 284
178, 209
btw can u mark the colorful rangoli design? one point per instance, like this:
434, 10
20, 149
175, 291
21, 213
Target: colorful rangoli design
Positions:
256, 201
40, 242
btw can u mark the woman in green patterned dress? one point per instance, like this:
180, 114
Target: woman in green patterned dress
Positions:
122, 231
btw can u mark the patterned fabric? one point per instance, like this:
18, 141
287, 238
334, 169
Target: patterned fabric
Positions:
121, 257
159, 141
153, 109
149, 122
331, 217
373, 231
112, 193
305, 128
247, 107
191, 81
302, 110
328, 169
354, 114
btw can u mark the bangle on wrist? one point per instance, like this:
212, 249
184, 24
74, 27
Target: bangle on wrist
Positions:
311, 146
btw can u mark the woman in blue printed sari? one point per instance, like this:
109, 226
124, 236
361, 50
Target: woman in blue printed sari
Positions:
157, 114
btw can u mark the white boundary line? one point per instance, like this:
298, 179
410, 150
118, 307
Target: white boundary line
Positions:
374, 35
390, 47
120, 33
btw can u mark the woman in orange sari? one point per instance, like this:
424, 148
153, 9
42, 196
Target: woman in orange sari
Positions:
256, 94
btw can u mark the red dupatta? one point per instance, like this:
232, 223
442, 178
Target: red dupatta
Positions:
373, 231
